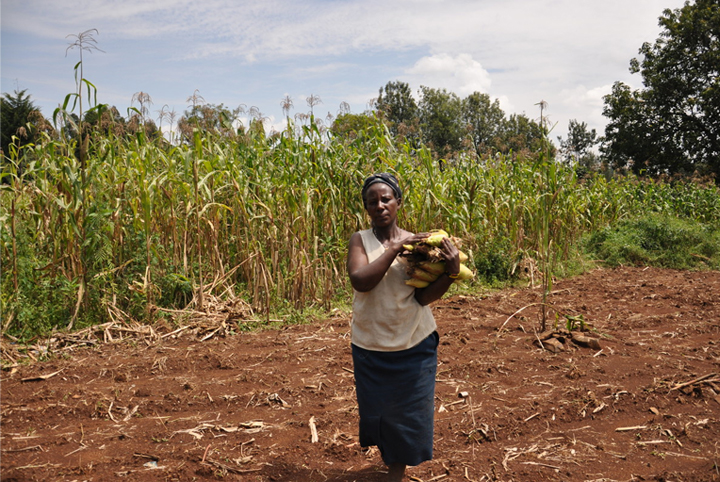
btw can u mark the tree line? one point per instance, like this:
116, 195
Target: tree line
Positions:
447, 124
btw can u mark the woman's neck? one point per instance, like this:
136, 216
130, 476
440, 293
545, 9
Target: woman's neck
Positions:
387, 234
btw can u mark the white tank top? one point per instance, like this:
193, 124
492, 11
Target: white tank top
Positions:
388, 318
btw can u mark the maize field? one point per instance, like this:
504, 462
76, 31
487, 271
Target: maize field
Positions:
148, 226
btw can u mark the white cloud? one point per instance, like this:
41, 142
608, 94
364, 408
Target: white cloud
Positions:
581, 96
583, 104
505, 104
460, 74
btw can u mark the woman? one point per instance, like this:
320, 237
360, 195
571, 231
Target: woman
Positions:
394, 342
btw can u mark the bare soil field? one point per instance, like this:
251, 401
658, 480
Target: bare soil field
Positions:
641, 402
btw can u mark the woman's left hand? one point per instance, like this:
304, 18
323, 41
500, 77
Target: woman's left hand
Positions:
451, 255
437, 288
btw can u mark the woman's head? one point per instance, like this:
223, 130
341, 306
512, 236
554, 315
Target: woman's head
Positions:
385, 178
382, 197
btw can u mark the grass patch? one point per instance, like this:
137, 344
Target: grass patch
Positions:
657, 240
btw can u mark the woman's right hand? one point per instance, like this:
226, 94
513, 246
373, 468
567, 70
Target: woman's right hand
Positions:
413, 239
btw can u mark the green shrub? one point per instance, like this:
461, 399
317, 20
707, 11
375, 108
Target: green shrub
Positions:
176, 291
493, 261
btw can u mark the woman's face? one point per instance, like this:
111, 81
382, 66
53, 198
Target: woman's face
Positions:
381, 205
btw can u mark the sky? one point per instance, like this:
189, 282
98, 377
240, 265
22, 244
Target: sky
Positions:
246, 54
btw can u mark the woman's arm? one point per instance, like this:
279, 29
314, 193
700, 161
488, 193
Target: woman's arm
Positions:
365, 276
435, 290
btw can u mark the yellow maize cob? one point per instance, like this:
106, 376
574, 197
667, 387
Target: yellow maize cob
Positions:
439, 266
465, 273
420, 274
436, 268
417, 283
435, 239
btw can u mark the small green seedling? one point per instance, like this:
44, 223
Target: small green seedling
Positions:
576, 322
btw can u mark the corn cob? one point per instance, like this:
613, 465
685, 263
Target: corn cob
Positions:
436, 237
424, 251
423, 275
426, 262
428, 252
417, 283
465, 273
437, 268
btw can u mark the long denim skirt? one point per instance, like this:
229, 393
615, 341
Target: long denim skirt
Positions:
395, 393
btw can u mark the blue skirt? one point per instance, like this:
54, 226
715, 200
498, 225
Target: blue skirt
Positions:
396, 394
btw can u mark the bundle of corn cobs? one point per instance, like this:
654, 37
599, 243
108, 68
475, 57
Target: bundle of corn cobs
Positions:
426, 263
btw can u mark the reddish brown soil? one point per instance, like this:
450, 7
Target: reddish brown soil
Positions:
240, 407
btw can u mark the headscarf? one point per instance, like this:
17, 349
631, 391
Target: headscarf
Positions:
385, 178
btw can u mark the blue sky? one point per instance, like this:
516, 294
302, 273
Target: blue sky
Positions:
236, 52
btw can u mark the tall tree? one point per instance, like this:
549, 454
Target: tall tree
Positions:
483, 121
520, 133
579, 141
440, 120
577, 148
398, 107
672, 125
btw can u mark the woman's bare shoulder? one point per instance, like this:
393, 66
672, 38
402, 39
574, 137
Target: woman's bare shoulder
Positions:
356, 242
